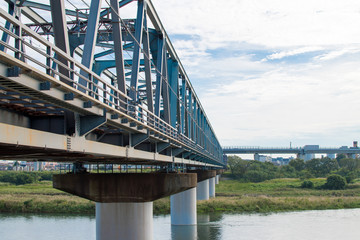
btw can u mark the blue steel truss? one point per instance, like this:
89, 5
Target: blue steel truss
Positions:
128, 67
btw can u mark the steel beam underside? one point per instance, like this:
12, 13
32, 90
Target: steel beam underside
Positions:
37, 145
56, 95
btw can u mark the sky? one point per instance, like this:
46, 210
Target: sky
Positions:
272, 72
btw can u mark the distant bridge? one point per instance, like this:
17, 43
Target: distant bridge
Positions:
308, 150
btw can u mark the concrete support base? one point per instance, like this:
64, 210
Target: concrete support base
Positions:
117, 221
124, 207
183, 208
202, 190
212, 187
124, 187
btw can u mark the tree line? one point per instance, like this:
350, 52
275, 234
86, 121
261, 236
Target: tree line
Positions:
256, 171
20, 178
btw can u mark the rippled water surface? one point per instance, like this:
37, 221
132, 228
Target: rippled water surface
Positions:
329, 225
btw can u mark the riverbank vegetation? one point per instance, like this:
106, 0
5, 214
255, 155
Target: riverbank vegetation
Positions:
255, 171
274, 195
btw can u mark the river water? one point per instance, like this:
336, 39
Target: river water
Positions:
318, 225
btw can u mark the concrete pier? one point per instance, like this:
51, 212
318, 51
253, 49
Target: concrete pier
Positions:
217, 179
212, 187
124, 187
202, 190
124, 201
132, 221
183, 208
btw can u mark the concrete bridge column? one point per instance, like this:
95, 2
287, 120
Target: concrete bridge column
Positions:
183, 208
218, 173
202, 190
124, 220
179, 232
124, 201
212, 187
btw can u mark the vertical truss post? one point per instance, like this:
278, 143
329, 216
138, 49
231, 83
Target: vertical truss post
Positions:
159, 66
200, 127
203, 130
147, 65
206, 136
173, 69
194, 121
137, 46
186, 117
5, 36
198, 137
165, 88
190, 118
183, 105
17, 41
118, 49
90, 41
61, 35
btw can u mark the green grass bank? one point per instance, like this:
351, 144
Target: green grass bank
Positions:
231, 196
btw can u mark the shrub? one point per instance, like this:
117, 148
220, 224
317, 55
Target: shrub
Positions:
350, 177
335, 182
18, 178
45, 176
256, 176
23, 178
305, 174
307, 184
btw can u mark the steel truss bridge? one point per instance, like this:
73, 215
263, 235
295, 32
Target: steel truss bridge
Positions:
80, 83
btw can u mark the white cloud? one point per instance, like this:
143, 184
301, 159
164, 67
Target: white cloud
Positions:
338, 53
253, 101
293, 52
285, 105
269, 23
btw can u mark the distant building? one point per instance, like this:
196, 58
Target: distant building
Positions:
6, 165
262, 158
280, 161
